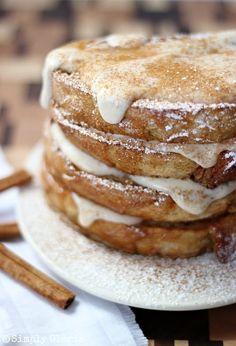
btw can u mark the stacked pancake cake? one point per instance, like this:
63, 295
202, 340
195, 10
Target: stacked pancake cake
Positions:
140, 151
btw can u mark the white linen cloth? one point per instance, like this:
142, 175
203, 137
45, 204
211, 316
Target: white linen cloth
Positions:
28, 319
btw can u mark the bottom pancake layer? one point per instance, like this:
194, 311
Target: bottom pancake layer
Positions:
169, 240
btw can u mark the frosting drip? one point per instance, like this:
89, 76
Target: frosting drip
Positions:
63, 58
187, 194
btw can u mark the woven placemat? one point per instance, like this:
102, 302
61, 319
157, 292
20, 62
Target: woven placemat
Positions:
215, 327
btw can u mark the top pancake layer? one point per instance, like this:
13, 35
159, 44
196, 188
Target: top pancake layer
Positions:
175, 75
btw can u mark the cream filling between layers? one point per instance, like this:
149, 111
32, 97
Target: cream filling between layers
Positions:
187, 194
88, 212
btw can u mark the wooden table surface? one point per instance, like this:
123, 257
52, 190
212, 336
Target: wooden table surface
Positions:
215, 327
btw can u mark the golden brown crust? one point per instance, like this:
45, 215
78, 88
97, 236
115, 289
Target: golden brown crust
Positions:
123, 196
223, 171
180, 241
223, 233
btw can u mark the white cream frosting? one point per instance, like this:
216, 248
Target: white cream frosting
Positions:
116, 79
88, 212
111, 108
205, 155
64, 58
187, 194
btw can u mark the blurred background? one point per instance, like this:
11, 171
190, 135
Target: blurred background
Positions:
30, 28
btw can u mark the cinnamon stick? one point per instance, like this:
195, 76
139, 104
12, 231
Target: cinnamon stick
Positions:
9, 231
25, 273
18, 178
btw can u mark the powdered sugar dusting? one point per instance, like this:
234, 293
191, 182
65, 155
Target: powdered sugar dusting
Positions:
227, 251
109, 183
148, 282
183, 108
230, 155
